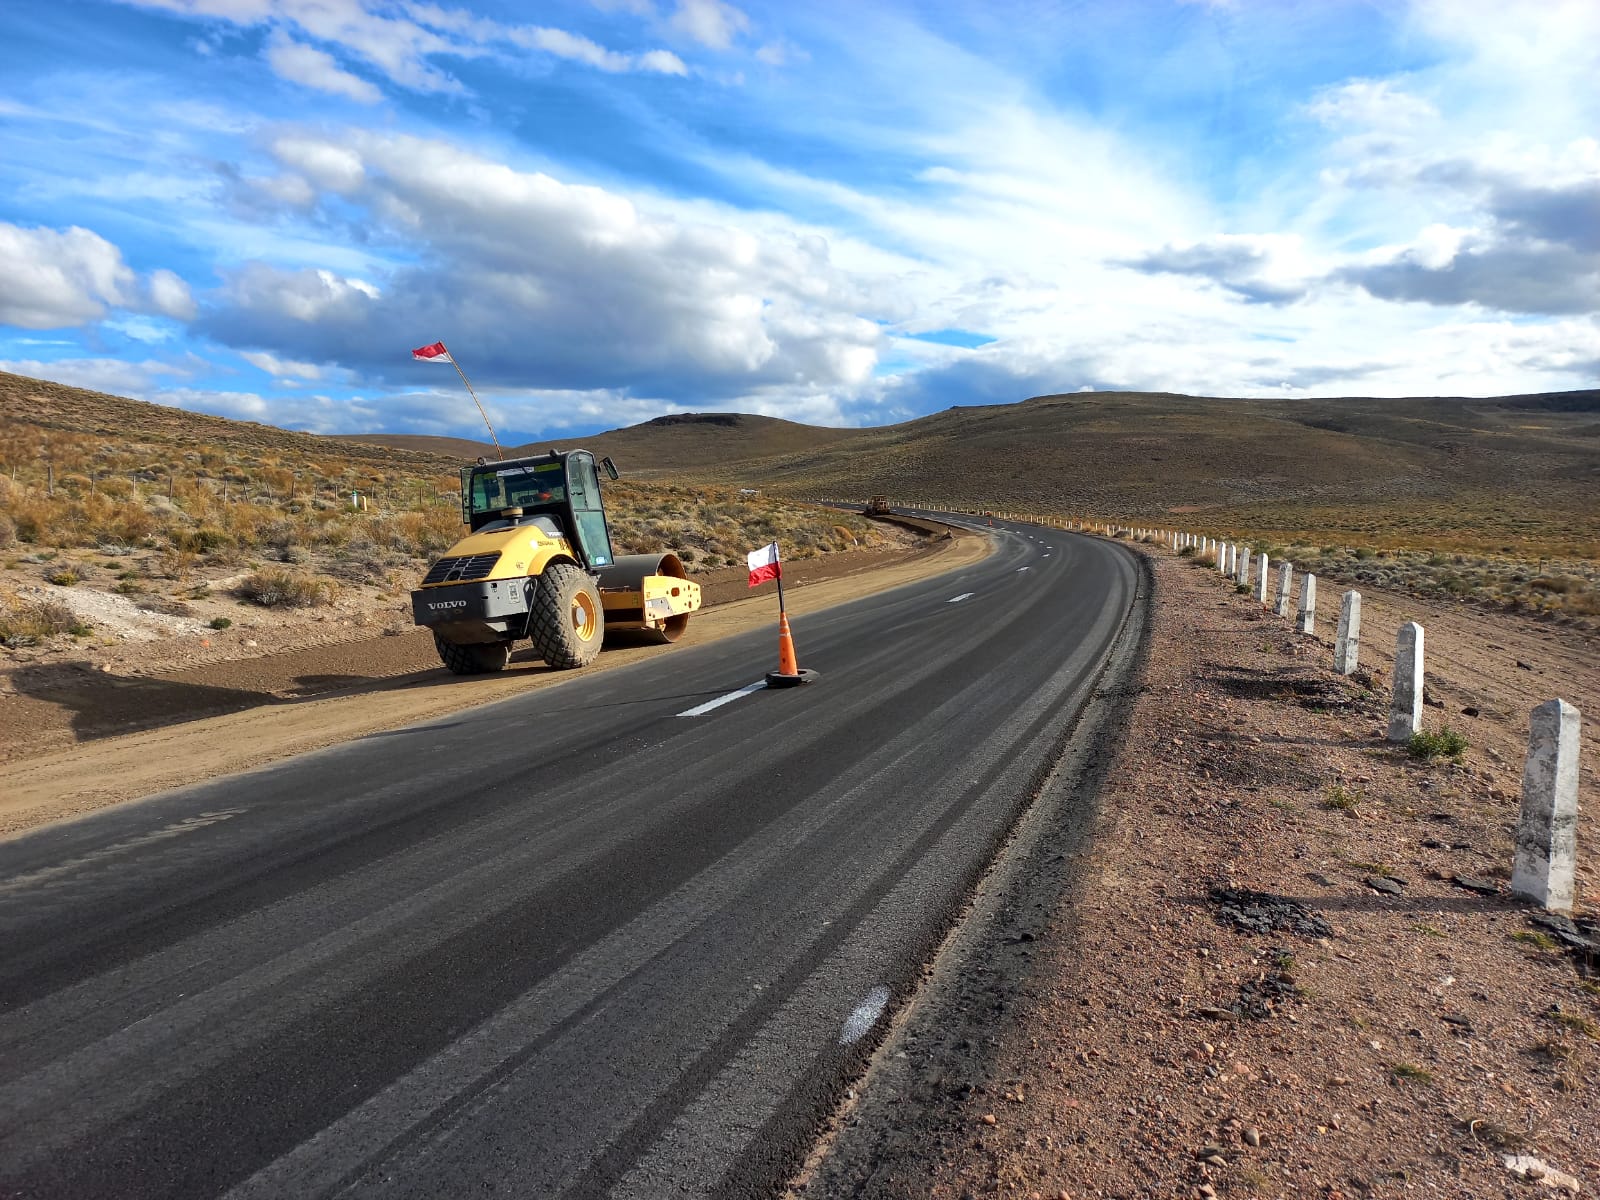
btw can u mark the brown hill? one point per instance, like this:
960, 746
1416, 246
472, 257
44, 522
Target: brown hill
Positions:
662, 447
1494, 473
1507, 475
56, 406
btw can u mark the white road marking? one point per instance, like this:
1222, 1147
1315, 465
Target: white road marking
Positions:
960, 598
701, 709
1020, 569
864, 1016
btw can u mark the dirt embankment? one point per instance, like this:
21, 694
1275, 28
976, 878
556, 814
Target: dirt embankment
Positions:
1287, 964
79, 731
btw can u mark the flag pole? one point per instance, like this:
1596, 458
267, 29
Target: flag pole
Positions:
501, 453
780, 589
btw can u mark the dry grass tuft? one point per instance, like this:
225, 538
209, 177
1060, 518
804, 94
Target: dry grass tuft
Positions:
275, 587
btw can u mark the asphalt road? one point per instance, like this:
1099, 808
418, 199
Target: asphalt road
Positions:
570, 944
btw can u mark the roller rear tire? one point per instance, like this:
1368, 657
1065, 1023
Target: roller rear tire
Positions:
567, 622
478, 658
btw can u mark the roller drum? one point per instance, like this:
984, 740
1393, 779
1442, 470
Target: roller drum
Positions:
627, 574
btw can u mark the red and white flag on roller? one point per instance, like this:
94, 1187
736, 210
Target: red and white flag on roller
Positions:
433, 353
763, 564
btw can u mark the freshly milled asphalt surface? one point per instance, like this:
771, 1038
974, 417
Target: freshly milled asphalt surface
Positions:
568, 944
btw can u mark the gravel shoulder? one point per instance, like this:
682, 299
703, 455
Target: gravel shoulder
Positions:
1263, 975
83, 731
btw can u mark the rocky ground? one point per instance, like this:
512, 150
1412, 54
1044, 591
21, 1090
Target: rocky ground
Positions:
1285, 962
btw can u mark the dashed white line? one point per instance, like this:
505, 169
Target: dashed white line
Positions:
1021, 569
701, 709
960, 598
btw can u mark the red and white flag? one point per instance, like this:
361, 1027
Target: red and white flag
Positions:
763, 564
433, 353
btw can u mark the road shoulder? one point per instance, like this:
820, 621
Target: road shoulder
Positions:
1372, 1028
68, 783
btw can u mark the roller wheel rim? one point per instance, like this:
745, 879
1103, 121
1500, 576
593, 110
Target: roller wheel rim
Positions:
584, 616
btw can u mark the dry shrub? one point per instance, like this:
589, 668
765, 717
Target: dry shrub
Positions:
177, 562
1558, 584
274, 587
24, 622
8, 532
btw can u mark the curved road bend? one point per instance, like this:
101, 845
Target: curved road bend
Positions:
570, 944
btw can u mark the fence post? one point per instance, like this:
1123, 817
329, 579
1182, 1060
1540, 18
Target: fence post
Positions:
1547, 833
1308, 604
1347, 645
1405, 707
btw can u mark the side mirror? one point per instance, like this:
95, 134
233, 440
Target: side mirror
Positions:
611, 467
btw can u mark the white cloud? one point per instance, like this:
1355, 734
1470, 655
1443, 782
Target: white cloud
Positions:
580, 49
399, 48
56, 278
169, 295
1264, 268
313, 68
400, 42
282, 368
710, 22
113, 376
662, 62
330, 167
556, 285
1371, 104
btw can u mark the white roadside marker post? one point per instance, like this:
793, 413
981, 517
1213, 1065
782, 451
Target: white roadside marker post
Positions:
1261, 579
1285, 586
1347, 645
1307, 622
1547, 833
1405, 708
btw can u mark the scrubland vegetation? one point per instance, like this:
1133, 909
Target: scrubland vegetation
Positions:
1564, 588
161, 521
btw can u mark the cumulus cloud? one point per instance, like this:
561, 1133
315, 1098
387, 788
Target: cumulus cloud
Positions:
710, 22
1260, 269
1508, 275
313, 68
114, 376
56, 278
169, 296
550, 285
1534, 246
282, 368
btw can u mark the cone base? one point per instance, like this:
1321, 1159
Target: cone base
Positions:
777, 679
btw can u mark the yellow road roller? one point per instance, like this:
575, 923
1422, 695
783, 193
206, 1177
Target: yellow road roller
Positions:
537, 564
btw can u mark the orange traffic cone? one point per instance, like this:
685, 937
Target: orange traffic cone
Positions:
789, 673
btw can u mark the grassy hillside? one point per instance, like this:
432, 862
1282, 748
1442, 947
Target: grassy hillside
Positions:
1485, 497
1516, 475
158, 505
1508, 475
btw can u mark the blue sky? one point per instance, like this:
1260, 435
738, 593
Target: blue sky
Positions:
843, 214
